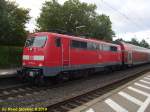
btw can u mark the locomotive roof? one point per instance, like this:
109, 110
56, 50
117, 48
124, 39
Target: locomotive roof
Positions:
74, 37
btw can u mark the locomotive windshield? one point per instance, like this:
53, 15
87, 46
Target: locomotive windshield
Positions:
36, 41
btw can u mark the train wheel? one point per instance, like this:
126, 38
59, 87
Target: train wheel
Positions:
85, 73
62, 77
21, 76
39, 81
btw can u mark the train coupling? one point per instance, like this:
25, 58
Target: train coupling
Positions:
30, 73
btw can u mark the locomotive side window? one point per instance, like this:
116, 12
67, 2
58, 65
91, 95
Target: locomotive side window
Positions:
106, 48
92, 46
75, 44
78, 44
99, 47
89, 45
83, 45
113, 48
58, 42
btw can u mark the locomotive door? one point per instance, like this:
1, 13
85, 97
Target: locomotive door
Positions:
65, 52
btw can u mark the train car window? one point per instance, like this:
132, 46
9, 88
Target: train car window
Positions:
106, 48
113, 48
58, 42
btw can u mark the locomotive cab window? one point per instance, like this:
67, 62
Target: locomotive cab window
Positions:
38, 41
58, 42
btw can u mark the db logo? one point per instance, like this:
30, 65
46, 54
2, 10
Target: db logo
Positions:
99, 56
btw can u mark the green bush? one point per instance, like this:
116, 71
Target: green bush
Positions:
10, 57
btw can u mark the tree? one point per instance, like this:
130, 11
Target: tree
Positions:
134, 41
143, 43
74, 17
102, 28
12, 23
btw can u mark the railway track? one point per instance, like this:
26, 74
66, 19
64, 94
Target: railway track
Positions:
9, 82
71, 103
68, 95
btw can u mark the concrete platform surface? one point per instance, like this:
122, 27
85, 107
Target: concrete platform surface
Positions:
131, 97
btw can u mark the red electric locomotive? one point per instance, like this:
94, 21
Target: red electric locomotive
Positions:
51, 54
56, 55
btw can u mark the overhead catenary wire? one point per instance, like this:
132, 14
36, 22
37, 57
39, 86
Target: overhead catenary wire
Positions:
137, 25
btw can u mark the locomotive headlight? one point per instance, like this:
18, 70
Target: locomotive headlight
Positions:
24, 64
40, 65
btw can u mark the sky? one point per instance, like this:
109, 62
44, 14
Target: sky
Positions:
130, 18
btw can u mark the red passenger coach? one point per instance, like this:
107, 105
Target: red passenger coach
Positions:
133, 55
50, 54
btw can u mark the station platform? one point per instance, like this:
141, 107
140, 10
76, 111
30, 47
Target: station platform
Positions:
4, 73
131, 97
